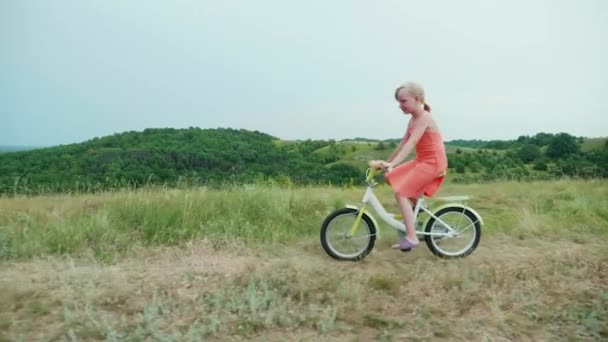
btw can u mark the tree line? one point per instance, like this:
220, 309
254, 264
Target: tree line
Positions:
544, 155
213, 157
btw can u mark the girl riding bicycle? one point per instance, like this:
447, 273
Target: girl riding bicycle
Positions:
425, 173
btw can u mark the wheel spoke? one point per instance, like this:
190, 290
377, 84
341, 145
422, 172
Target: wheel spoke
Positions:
359, 237
466, 228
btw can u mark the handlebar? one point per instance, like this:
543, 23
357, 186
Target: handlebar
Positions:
372, 172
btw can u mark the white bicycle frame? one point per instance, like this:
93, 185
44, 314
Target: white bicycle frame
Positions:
370, 198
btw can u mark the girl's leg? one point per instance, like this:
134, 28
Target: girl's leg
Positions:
407, 211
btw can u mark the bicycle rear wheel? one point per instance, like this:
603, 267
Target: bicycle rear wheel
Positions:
335, 237
464, 222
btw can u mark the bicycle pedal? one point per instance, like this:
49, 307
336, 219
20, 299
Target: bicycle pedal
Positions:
406, 250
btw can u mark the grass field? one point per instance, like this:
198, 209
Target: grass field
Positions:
245, 263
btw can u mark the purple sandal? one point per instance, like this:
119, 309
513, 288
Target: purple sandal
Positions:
405, 245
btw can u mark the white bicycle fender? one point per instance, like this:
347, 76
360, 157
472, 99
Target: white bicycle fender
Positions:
460, 206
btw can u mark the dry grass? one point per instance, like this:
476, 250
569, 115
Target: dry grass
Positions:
540, 273
506, 291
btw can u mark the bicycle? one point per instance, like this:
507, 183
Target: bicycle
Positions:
444, 227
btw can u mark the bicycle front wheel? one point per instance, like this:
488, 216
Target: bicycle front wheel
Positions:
464, 222
336, 240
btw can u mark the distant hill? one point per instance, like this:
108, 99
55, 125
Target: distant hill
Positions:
13, 148
218, 156
587, 144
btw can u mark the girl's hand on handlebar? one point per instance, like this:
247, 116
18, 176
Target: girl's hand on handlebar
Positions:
380, 164
375, 164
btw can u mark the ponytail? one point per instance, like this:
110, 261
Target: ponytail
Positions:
426, 106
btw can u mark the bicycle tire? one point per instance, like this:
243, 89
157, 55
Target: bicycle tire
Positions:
365, 223
433, 243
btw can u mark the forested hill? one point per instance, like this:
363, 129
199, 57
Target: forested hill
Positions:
167, 156
218, 156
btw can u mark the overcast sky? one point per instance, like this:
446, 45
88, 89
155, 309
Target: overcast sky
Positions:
74, 70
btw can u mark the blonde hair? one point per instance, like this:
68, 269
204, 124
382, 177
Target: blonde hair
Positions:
413, 89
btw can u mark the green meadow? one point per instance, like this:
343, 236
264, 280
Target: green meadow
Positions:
245, 263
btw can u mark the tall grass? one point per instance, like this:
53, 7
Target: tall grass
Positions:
110, 224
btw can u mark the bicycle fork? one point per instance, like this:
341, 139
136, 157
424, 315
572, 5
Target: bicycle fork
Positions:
353, 229
361, 209
369, 198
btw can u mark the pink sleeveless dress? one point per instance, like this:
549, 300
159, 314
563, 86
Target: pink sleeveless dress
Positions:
425, 173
